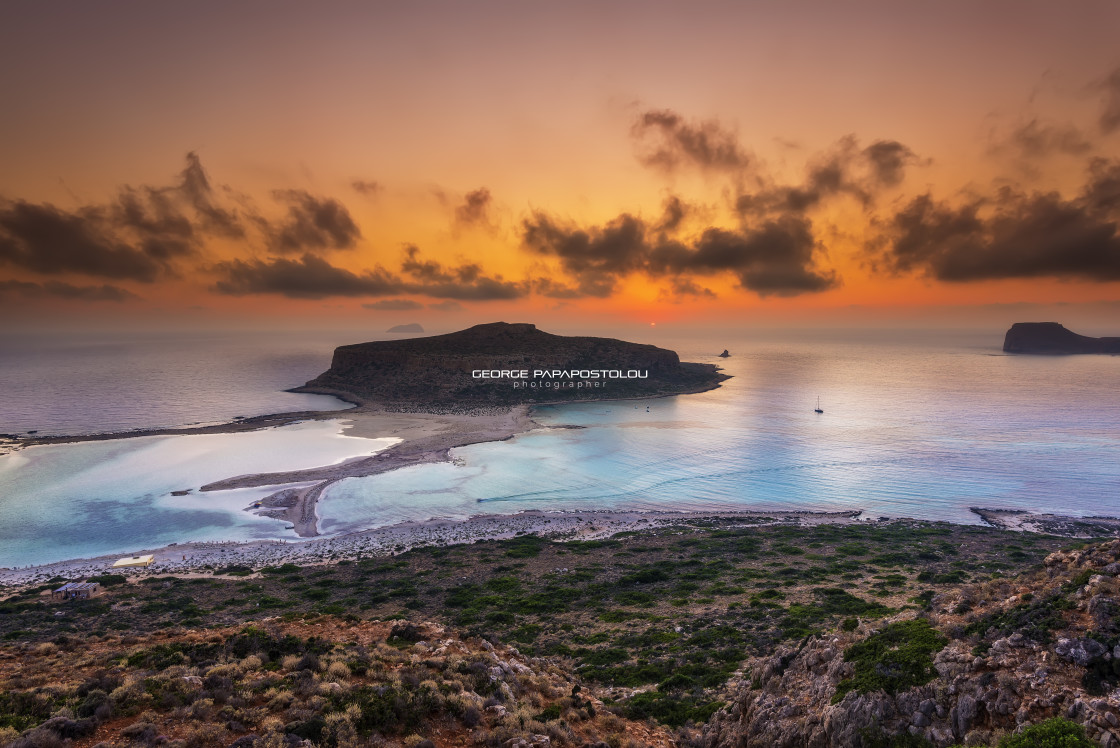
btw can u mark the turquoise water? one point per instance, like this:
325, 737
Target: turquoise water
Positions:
920, 430
92, 498
921, 427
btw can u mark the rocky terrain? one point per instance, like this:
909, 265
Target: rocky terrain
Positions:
437, 370
1053, 339
979, 662
283, 684
704, 632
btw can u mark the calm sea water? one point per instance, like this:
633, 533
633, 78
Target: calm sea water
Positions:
919, 425
84, 384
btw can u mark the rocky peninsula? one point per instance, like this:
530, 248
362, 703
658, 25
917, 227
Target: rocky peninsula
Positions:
1051, 338
506, 364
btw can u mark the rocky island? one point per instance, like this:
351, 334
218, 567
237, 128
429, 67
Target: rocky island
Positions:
1051, 338
501, 364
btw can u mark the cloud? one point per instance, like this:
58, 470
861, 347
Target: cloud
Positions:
57, 289
475, 209
446, 306
137, 236
674, 213
366, 187
1036, 139
666, 141
309, 277
887, 160
1110, 113
844, 169
466, 281
596, 256
1013, 234
777, 257
48, 240
312, 277
681, 288
312, 223
195, 186
394, 305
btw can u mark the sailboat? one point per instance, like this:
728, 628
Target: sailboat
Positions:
818, 408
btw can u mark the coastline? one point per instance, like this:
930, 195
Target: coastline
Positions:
427, 435
209, 557
425, 438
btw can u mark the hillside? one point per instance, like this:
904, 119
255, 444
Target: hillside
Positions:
703, 634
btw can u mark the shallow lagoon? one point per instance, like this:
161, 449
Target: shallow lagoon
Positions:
921, 428
92, 498
922, 431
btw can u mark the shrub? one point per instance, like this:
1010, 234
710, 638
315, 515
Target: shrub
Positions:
894, 659
1053, 733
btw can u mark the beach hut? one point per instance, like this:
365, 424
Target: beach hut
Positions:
134, 561
76, 591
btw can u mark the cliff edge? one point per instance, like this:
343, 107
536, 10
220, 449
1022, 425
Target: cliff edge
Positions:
1051, 338
506, 364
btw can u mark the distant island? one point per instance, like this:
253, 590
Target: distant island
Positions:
1051, 338
410, 327
506, 364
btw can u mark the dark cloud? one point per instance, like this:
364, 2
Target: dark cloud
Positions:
475, 208
1110, 114
48, 240
673, 215
1036, 139
669, 142
312, 277
845, 169
309, 277
312, 223
446, 306
554, 289
1013, 234
394, 305
366, 187
776, 257
57, 289
887, 160
195, 186
682, 288
596, 257
137, 236
465, 281
1102, 191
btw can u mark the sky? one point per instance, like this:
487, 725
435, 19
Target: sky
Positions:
580, 164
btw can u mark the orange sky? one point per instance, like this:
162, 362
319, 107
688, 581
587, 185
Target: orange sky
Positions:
447, 162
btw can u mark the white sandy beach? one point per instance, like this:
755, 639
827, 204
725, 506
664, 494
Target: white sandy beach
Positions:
190, 558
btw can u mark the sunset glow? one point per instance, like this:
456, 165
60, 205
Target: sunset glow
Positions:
449, 163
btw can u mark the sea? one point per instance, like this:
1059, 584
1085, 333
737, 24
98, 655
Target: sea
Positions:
922, 424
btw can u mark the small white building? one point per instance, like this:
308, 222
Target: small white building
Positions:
134, 561
77, 591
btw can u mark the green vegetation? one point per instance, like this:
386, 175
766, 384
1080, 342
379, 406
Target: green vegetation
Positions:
894, 659
1035, 619
1053, 733
677, 609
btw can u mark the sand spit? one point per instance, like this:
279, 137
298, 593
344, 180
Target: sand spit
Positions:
425, 437
194, 558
